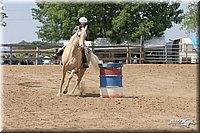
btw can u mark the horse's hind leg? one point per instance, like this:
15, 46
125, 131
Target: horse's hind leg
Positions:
62, 81
69, 79
80, 89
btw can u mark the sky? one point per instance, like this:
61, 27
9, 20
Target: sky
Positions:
21, 26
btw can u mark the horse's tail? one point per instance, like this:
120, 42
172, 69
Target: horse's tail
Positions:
94, 61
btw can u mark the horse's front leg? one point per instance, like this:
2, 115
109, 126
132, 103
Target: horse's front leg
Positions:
80, 75
69, 79
62, 81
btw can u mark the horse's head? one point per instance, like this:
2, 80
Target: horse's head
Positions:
81, 33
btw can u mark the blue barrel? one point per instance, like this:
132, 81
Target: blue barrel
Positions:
110, 79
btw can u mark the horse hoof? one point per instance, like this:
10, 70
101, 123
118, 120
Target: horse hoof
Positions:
64, 92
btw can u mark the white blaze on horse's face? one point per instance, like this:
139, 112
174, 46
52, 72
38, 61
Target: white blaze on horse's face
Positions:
82, 35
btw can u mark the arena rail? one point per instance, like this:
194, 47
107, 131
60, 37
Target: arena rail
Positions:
114, 53
29, 49
127, 53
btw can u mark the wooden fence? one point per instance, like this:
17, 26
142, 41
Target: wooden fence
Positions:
119, 53
111, 53
35, 50
127, 54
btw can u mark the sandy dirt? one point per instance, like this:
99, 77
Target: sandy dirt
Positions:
154, 97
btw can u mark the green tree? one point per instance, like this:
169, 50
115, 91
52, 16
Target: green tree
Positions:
118, 21
190, 18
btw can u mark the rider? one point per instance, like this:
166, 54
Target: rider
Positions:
82, 22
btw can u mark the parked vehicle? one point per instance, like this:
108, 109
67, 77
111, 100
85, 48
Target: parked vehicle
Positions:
2, 61
27, 61
47, 60
14, 62
41, 61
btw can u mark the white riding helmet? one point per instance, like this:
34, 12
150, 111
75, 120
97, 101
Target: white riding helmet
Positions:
83, 20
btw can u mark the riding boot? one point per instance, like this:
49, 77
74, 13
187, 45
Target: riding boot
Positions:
85, 63
59, 53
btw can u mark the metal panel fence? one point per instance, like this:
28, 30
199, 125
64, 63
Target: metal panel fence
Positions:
163, 54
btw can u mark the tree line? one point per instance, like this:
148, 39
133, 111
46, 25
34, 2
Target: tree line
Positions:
118, 21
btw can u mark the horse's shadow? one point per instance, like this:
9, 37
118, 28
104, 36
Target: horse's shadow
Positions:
90, 95
98, 95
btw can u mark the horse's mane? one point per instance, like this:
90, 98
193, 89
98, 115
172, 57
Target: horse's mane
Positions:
74, 42
72, 39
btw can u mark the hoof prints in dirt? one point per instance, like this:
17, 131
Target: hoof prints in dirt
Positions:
30, 84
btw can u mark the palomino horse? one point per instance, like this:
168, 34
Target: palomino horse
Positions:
72, 60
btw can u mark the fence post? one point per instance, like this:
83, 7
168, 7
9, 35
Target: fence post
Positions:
92, 47
166, 54
186, 52
37, 55
141, 49
10, 55
128, 54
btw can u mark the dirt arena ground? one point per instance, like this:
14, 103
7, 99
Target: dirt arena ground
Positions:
154, 96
